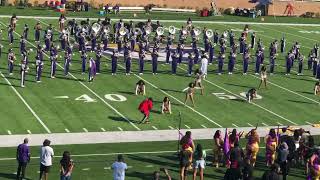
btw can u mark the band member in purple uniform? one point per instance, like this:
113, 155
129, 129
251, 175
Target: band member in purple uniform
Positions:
246, 58
253, 40
282, 45
190, 63
128, 63
211, 52
40, 53
300, 64
22, 45
168, 47
205, 39
126, 50
289, 60
10, 34
105, 40
11, 59
314, 67
154, 56
26, 59
220, 62
82, 42
37, 29
142, 56
92, 69
133, 41
93, 42
53, 59
180, 52
215, 36
272, 63
63, 39
98, 58
195, 50
242, 41
39, 65
84, 61
174, 62
318, 71
231, 63
47, 42
114, 62
23, 69
310, 59
258, 61
67, 60
231, 38
25, 31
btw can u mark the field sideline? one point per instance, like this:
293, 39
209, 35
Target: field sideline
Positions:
283, 104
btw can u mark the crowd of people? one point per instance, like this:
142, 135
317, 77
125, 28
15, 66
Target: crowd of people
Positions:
285, 148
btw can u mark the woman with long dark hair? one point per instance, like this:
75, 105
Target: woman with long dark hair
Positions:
66, 166
199, 157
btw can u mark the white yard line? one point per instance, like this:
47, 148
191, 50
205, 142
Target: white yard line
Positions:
120, 128
102, 99
85, 130
67, 130
102, 129
250, 125
309, 123
187, 126
173, 21
264, 124
279, 123
155, 128
26, 104
170, 127
234, 125
9, 132
29, 132
203, 126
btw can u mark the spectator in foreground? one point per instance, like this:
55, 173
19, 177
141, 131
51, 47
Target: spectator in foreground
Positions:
272, 174
236, 156
119, 167
283, 153
199, 157
66, 166
23, 158
247, 171
46, 155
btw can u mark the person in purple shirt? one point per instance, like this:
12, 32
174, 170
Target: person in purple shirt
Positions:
23, 158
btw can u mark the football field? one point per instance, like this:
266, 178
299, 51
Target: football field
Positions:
72, 104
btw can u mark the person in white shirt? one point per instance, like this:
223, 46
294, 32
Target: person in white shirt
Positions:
119, 168
46, 155
204, 65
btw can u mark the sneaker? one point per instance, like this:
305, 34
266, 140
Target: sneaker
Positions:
22, 86
244, 73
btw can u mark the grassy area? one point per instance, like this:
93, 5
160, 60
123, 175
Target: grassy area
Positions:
6, 10
289, 99
143, 159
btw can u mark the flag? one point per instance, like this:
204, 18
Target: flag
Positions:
226, 146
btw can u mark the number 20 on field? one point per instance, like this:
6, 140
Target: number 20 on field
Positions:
111, 97
232, 97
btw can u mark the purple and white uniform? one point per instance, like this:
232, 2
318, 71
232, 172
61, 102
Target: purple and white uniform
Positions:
92, 69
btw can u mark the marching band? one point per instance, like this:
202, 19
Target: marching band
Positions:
149, 41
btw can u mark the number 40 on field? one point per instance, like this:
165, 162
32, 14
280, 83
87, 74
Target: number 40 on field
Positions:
111, 97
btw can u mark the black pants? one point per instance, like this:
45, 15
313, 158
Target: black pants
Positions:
284, 169
21, 169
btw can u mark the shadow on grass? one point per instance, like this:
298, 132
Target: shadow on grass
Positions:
301, 102
7, 176
122, 119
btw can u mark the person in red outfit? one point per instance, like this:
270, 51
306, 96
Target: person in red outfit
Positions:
145, 108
